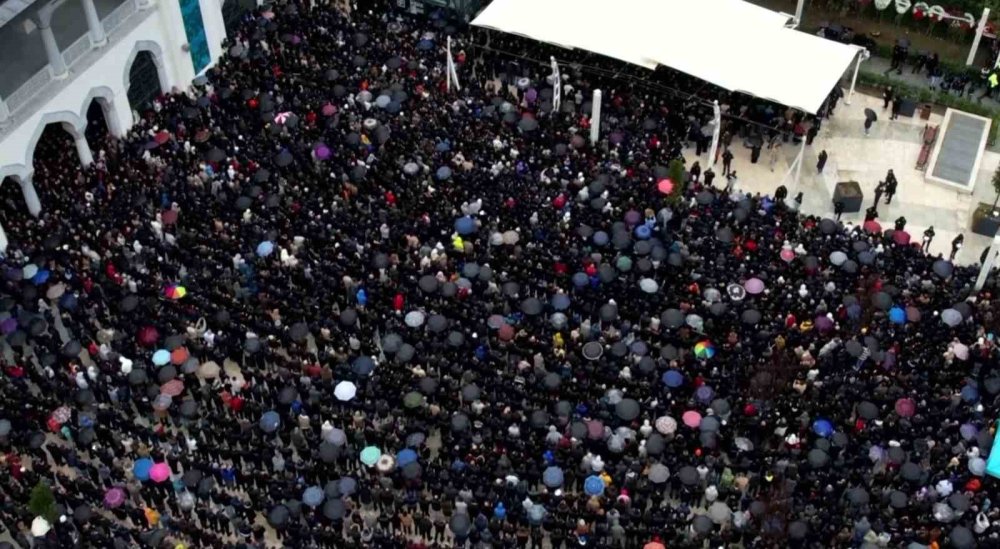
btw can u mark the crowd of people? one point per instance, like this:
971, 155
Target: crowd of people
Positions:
318, 299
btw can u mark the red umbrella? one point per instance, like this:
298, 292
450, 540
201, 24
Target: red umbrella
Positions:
179, 356
872, 227
169, 217
905, 407
901, 237
162, 137
147, 336
506, 332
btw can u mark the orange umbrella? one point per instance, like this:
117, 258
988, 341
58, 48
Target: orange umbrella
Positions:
654, 545
179, 355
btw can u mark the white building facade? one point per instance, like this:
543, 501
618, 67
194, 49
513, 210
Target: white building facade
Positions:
169, 37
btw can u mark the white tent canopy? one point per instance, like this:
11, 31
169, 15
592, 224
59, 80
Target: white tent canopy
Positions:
730, 43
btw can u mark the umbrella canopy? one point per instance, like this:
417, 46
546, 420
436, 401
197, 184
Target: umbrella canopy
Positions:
345, 391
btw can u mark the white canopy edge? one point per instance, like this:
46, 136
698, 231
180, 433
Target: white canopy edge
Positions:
730, 43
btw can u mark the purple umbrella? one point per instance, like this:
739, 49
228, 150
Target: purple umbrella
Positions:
321, 151
8, 325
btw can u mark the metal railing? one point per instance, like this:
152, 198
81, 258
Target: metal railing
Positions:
120, 14
76, 50
28, 90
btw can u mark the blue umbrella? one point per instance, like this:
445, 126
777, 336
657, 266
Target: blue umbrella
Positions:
642, 232
443, 173
823, 427
40, 277
265, 248
593, 486
673, 378
970, 393
553, 477
347, 485
580, 280
68, 302
141, 468
363, 365
465, 225
161, 357
560, 302
313, 496
406, 457
270, 421
601, 238
425, 45
897, 315
536, 514
442, 146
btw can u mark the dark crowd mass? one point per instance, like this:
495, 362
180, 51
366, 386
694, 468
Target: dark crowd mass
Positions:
319, 300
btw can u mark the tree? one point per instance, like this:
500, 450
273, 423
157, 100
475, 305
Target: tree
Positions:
42, 503
996, 189
678, 175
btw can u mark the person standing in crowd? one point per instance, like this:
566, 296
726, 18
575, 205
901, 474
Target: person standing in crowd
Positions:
879, 191
887, 97
821, 163
890, 186
709, 176
956, 246
871, 214
775, 150
838, 209
897, 105
727, 161
695, 172
900, 223
928, 237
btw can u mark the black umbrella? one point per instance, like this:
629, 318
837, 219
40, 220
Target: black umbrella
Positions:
688, 475
278, 516
437, 323
868, 410
882, 300
348, 317
82, 513
215, 154
961, 537
299, 332
71, 349
870, 115
471, 392
531, 306
429, 283
627, 409
283, 158
287, 395
189, 408
460, 524
672, 318
191, 478
334, 509
750, 316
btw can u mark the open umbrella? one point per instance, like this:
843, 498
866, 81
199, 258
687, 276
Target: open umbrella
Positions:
270, 421
345, 391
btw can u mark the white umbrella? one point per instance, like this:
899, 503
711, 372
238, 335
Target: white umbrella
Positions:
666, 425
345, 390
414, 319
40, 527
649, 285
719, 512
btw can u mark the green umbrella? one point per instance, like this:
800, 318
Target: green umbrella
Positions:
624, 263
413, 399
370, 455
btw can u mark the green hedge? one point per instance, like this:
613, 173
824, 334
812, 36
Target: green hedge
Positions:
923, 94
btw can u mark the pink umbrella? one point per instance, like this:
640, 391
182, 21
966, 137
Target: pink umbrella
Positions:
506, 332
872, 227
595, 429
665, 186
173, 387
754, 286
905, 407
114, 497
901, 237
329, 110
787, 255
961, 351
159, 472
321, 151
691, 418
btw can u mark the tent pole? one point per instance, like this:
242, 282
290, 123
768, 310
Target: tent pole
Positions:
988, 263
595, 117
979, 35
715, 132
798, 163
798, 13
862, 56
448, 63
